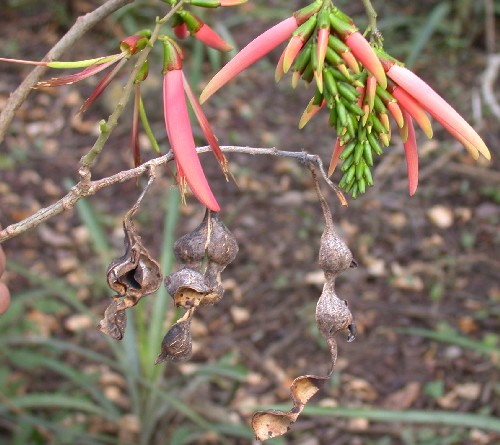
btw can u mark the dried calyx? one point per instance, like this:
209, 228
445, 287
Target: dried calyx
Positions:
131, 276
332, 316
203, 254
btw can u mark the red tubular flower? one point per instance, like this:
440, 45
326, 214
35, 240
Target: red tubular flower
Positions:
250, 54
411, 153
290, 52
181, 138
363, 51
441, 110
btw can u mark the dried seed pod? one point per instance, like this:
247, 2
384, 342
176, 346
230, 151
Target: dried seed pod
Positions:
190, 248
114, 321
189, 289
136, 273
332, 313
177, 345
222, 247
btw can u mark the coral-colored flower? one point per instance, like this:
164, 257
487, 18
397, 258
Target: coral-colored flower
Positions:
250, 54
181, 138
441, 110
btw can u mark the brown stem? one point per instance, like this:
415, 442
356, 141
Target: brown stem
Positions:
82, 25
83, 188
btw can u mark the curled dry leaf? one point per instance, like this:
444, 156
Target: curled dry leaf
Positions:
114, 321
332, 316
177, 345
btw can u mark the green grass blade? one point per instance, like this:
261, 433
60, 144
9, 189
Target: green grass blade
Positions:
55, 401
31, 359
424, 34
454, 338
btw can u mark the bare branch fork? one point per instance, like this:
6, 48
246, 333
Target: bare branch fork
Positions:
88, 188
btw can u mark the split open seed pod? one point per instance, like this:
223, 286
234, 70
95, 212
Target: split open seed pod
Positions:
190, 248
136, 273
188, 288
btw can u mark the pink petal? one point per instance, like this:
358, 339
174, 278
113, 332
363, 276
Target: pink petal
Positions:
365, 54
254, 51
210, 38
181, 137
441, 110
414, 108
411, 154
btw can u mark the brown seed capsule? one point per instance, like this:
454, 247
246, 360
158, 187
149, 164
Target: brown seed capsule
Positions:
190, 248
222, 247
189, 289
177, 345
332, 313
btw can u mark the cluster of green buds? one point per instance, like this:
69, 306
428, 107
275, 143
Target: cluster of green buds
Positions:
359, 84
350, 82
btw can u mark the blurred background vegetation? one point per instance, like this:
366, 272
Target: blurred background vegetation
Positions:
425, 367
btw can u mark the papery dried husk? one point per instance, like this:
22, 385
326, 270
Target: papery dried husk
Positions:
273, 423
114, 321
177, 345
188, 288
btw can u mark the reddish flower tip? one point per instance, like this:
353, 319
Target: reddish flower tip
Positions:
292, 49
254, 51
363, 51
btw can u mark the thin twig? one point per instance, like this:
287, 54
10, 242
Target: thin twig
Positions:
83, 189
82, 25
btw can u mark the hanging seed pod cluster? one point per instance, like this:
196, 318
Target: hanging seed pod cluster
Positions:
202, 254
332, 316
